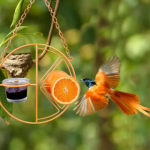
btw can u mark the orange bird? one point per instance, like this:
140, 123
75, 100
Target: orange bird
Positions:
96, 96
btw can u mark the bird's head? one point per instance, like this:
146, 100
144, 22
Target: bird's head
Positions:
89, 82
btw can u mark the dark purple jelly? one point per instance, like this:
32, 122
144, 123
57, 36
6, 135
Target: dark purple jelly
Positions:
16, 93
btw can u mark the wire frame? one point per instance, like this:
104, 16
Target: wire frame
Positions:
60, 58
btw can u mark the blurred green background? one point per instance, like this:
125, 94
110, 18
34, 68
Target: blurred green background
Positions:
94, 31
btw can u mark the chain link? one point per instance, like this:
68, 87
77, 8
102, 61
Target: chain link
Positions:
58, 28
23, 16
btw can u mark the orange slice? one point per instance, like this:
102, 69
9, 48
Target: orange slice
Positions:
63, 88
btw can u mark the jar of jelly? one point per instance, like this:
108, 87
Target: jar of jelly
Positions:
15, 89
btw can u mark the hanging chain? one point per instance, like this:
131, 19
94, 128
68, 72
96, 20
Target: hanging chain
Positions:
17, 27
58, 28
21, 21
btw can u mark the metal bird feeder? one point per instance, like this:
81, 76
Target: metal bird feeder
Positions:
16, 88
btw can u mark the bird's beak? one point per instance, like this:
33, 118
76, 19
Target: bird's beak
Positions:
82, 80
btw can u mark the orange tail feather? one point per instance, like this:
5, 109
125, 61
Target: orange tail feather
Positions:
128, 103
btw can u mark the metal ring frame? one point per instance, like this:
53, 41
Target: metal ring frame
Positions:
60, 109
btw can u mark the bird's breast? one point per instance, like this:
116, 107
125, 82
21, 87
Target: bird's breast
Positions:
97, 91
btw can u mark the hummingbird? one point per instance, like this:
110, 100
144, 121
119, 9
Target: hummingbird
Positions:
102, 89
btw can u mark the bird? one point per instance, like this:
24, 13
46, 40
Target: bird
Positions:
102, 90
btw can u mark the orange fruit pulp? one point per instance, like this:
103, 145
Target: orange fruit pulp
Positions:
63, 88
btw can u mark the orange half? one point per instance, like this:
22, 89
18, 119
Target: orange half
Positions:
63, 88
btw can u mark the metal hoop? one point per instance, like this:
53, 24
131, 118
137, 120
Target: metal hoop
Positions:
61, 57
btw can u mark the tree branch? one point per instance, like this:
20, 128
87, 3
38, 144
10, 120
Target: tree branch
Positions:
49, 39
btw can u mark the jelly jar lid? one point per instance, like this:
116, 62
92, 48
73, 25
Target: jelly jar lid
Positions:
15, 81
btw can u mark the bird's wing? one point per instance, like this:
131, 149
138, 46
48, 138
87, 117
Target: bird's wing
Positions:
90, 104
109, 72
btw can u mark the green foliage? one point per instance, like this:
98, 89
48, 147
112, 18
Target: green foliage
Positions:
17, 14
8, 36
4, 102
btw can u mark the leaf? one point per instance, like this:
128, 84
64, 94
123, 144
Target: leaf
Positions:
36, 34
21, 34
5, 40
4, 73
7, 105
17, 14
16, 35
